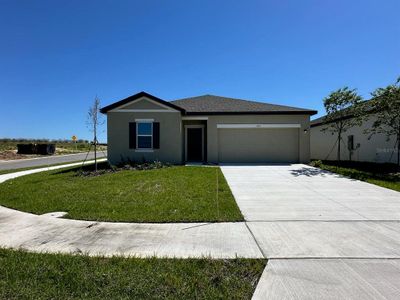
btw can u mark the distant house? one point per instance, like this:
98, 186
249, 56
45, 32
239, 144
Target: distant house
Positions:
207, 128
356, 145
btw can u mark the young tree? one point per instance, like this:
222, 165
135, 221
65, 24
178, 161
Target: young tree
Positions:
94, 122
343, 111
386, 105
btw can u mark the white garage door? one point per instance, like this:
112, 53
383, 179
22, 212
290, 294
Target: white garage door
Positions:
258, 145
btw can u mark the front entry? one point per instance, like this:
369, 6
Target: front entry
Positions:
194, 143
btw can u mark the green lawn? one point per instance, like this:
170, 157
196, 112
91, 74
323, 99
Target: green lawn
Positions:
54, 276
385, 175
173, 194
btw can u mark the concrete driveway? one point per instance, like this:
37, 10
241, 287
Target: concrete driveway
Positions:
300, 192
326, 236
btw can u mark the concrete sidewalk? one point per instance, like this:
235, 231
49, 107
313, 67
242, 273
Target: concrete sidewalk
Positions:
305, 239
316, 279
9, 176
48, 160
21, 230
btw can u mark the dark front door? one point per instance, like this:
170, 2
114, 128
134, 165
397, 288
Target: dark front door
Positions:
194, 144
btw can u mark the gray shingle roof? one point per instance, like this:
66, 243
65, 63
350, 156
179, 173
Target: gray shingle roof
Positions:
318, 121
321, 120
216, 105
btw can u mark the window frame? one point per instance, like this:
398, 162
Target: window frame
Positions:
350, 137
148, 135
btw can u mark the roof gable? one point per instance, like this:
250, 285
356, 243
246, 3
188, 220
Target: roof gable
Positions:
143, 104
138, 102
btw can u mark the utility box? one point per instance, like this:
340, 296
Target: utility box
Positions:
26, 148
46, 149
43, 149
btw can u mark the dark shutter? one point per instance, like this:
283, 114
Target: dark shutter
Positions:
156, 135
132, 135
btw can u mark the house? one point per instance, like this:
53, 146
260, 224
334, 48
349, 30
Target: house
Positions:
356, 144
207, 128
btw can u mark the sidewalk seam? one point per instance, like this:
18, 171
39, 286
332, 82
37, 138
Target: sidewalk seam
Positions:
255, 240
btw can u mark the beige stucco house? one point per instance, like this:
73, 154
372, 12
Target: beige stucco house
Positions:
356, 144
208, 129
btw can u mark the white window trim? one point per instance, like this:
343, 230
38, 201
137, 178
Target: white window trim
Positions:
195, 118
137, 136
249, 126
144, 150
144, 120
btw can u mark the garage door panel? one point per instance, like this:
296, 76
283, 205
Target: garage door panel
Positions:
258, 145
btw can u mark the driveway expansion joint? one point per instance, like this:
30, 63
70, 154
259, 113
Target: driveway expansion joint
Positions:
255, 240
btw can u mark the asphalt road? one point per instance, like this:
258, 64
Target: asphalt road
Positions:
47, 160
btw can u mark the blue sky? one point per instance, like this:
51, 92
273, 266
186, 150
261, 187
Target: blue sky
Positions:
56, 56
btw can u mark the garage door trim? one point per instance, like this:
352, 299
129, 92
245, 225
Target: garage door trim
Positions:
244, 126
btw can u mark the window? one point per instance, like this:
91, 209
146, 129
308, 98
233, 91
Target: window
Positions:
144, 135
350, 142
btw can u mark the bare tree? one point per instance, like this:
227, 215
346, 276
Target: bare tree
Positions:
94, 122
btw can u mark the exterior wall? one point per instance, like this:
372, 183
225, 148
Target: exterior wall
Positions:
303, 140
172, 134
377, 149
170, 137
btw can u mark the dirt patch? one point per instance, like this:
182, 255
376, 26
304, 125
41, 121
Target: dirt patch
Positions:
12, 154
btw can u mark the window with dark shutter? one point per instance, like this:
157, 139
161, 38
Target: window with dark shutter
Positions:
156, 135
132, 135
144, 135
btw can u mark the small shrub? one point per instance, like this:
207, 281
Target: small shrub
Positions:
316, 163
131, 165
82, 173
107, 168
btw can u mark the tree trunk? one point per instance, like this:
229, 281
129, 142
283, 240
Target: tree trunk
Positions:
95, 149
95, 156
398, 150
339, 140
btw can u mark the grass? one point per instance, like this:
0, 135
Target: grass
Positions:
385, 175
174, 194
26, 275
